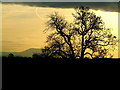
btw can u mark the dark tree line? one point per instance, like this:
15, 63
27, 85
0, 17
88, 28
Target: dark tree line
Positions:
85, 37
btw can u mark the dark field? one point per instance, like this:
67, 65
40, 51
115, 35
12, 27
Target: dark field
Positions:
28, 60
21, 73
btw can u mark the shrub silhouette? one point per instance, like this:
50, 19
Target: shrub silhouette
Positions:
10, 55
35, 56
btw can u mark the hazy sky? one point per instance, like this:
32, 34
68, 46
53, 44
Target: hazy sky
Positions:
23, 25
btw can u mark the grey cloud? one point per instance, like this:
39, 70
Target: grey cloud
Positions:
11, 43
106, 6
59, 0
7, 41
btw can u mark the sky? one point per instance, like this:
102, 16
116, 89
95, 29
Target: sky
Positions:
23, 23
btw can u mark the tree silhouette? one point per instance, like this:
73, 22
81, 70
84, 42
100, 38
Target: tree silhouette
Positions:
85, 37
10, 55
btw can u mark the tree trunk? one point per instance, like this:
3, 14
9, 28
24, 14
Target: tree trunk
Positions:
72, 52
82, 48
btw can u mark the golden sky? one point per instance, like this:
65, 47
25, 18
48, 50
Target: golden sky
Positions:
22, 26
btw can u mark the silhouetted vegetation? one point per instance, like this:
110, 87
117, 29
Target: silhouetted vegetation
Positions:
49, 60
11, 55
41, 59
85, 37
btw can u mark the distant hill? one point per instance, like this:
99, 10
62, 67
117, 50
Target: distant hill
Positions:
26, 53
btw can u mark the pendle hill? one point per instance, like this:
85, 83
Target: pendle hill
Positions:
26, 53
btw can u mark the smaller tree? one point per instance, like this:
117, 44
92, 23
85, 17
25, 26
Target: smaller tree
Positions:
34, 56
10, 55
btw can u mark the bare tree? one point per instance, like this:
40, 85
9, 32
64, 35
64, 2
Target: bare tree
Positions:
86, 36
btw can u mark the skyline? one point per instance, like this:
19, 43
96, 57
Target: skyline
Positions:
23, 25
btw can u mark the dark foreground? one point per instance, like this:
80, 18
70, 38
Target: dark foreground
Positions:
41, 61
20, 73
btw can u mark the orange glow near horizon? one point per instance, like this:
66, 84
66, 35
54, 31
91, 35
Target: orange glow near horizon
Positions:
23, 25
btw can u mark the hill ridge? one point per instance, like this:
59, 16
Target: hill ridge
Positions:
26, 53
